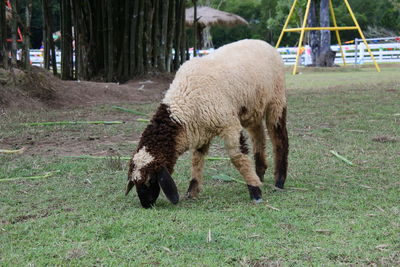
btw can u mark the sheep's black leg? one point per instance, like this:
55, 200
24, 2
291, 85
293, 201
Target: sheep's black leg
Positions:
197, 171
258, 139
280, 142
242, 162
243, 144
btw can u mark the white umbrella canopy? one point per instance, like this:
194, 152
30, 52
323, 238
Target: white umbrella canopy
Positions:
209, 17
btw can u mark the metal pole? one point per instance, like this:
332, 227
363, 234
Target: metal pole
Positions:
362, 35
301, 36
286, 23
337, 31
356, 52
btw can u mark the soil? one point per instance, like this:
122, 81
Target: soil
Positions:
65, 96
83, 93
41, 89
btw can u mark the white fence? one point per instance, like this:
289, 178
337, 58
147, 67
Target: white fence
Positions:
36, 57
354, 54
386, 52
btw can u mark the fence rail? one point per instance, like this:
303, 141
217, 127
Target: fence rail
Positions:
387, 52
36, 57
354, 54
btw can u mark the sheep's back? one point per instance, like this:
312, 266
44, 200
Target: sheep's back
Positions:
237, 79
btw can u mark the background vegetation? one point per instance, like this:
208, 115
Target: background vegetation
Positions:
266, 17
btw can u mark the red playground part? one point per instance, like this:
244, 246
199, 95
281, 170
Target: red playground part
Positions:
8, 4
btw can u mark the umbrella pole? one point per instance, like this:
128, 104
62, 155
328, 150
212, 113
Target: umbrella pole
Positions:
195, 28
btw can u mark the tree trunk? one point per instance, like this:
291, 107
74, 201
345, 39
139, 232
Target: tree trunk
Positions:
51, 40
139, 49
49, 49
3, 37
110, 31
46, 54
124, 57
171, 34
66, 41
103, 35
118, 39
195, 28
133, 32
164, 32
182, 43
178, 35
314, 36
156, 34
148, 34
14, 29
75, 43
207, 38
27, 34
326, 57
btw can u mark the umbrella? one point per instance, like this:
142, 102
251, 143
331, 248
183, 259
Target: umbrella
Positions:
209, 17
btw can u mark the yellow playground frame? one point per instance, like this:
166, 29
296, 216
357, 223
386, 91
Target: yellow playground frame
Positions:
335, 28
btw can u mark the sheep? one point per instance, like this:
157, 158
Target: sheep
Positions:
239, 86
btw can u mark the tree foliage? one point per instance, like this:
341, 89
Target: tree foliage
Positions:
267, 17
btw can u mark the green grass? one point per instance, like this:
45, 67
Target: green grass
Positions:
330, 213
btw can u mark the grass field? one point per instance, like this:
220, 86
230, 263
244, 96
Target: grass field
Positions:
331, 213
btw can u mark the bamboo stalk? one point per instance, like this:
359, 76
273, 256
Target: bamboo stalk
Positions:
93, 157
216, 158
127, 157
46, 175
342, 158
70, 122
142, 120
17, 151
271, 207
130, 111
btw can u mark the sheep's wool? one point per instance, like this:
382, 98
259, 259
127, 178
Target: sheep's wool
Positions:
233, 87
141, 159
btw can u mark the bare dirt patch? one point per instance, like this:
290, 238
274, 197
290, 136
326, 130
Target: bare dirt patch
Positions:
82, 93
71, 142
61, 103
384, 139
40, 89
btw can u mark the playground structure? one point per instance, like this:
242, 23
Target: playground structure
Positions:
335, 28
8, 5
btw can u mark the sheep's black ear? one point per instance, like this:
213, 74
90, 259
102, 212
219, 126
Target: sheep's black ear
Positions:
129, 186
168, 185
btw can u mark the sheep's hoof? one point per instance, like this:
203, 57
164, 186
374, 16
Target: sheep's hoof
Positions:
193, 190
255, 193
191, 195
279, 184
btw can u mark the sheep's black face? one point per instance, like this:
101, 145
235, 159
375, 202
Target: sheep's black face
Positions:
148, 192
149, 177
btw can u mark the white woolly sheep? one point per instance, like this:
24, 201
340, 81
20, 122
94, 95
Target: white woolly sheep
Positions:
239, 86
